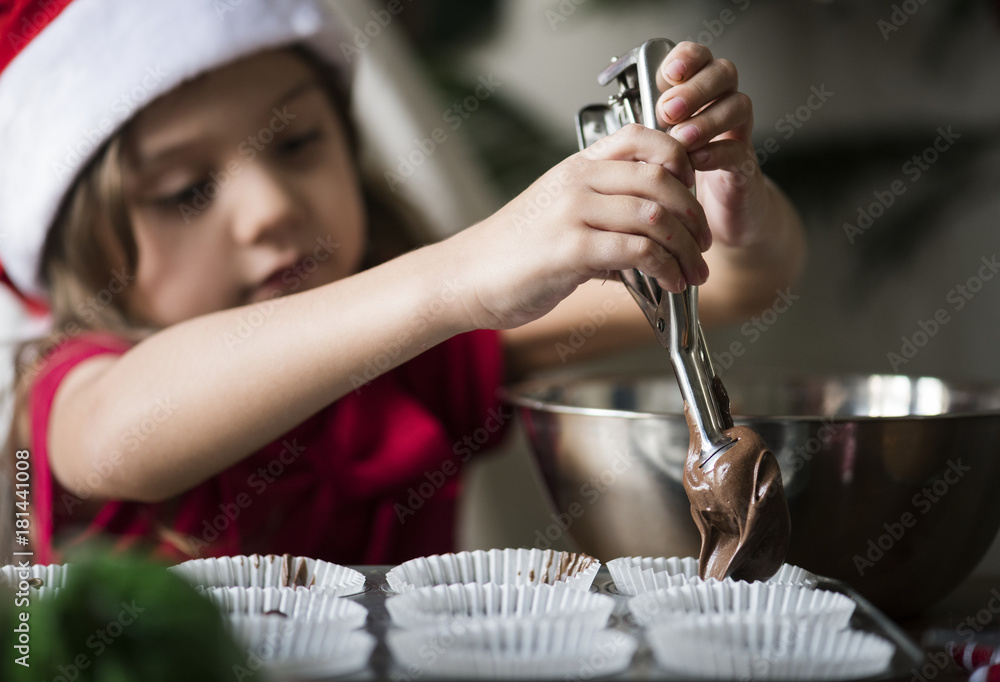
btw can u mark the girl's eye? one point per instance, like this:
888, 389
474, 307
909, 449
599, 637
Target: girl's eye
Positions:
294, 145
187, 195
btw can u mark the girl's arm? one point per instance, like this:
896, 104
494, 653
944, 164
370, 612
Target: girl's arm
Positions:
600, 316
216, 393
216, 397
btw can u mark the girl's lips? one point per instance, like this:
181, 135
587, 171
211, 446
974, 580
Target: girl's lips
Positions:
275, 280
282, 281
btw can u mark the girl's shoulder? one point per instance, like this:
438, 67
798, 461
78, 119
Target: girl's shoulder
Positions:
48, 362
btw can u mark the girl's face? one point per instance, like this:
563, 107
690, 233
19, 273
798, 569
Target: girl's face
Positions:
240, 186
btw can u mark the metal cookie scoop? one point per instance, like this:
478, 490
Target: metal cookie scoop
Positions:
674, 317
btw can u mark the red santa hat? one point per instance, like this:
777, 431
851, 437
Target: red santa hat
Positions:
73, 71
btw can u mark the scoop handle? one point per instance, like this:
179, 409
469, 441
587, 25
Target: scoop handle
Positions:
674, 317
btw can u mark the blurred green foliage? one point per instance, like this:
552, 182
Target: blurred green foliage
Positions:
118, 619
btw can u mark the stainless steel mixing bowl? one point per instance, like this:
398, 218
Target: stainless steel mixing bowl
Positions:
893, 482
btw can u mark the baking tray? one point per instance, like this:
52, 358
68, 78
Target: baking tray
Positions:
381, 666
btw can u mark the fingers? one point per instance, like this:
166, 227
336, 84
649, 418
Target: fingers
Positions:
655, 184
669, 240
638, 143
681, 63
691, 80
734, 156
604, 251
731, 114
717, 78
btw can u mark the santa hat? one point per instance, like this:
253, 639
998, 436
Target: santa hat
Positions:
73, 71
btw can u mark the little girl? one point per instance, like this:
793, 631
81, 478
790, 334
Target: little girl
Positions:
246, 354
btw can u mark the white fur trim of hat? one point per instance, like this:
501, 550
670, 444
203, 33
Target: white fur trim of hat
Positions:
81, 71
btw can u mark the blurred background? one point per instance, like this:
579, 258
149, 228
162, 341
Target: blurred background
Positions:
852, 99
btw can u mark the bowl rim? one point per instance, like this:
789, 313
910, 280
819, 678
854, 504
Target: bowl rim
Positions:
517, 395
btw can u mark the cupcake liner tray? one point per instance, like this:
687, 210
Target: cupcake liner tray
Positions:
907, 655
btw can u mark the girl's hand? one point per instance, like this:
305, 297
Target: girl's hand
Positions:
616, 205
713, 121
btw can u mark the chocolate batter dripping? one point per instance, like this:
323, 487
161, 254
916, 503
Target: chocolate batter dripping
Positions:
739, 505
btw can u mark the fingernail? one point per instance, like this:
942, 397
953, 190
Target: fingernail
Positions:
681, 285
703, 271
700, 156
674, 108
676, 70
686, 134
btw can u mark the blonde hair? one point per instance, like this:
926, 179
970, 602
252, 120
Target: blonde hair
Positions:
91, 244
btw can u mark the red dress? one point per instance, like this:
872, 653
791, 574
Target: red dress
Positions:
370, 479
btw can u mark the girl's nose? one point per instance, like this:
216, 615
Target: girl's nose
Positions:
265, 204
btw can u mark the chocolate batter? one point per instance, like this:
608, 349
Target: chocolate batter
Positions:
570, 564
738, 505
295, 573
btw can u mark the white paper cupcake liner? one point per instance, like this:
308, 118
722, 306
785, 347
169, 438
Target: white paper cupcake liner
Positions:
500, 566
635, 575
272, 570
49, 576
512, 648
713, 646
298, 603
300, 648
441, 604
820, 608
